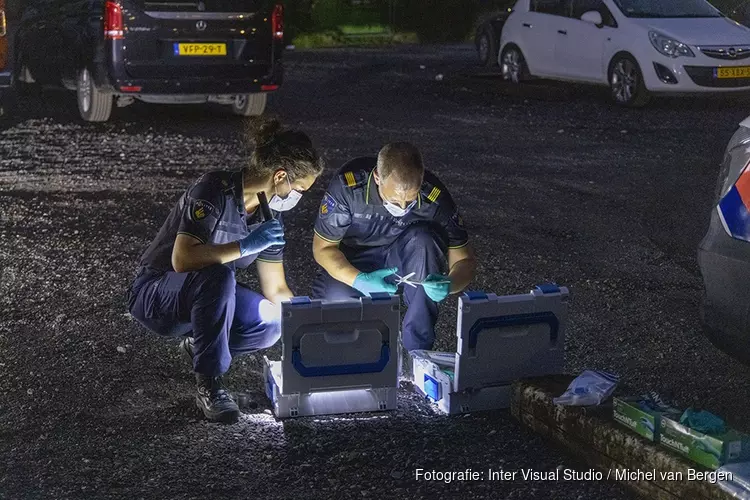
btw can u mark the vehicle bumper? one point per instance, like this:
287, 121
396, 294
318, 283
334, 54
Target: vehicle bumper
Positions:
725, 266
117, 82
5, 79
691, 75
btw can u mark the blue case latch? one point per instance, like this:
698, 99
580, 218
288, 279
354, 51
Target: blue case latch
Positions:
380, 296
300, 300
432, 388
548, 288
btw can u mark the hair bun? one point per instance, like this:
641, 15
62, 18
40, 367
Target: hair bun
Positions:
266, 130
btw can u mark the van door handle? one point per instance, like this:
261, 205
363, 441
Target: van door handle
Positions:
562, 32
526, 25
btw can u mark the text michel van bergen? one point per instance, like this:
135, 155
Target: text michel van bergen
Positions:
571, 475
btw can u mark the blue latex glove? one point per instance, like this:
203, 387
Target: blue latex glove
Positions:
368, 283
266, 235
437, 287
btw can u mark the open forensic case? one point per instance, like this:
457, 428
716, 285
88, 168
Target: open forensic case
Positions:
337, 357
500, 339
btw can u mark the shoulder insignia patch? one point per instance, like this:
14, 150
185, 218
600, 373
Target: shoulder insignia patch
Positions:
433, 194
201, 209
327, 206
349, 178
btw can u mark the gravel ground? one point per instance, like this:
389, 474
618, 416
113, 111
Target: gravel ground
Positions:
554, 184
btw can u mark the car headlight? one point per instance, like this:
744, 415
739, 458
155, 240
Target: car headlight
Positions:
669, 46
723, 174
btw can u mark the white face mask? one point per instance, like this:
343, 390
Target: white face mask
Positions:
397, 211
280, 204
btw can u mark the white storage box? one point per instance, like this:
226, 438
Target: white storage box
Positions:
337, 357
500, 339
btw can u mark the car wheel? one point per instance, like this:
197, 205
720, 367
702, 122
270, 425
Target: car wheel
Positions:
487, 48
24, 82
626, 83
93, 104
249, 104
513, 65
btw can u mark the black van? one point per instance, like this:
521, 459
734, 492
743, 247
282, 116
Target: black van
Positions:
6, 24
161, 51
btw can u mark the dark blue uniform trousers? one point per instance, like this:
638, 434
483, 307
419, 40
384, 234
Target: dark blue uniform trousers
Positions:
419, 249
224, 318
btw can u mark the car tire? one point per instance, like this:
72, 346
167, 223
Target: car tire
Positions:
626, 85
487, 47
513, 65
93, 104
24, 83
249, 104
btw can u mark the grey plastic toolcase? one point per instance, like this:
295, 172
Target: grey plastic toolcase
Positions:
337, 357
500, 339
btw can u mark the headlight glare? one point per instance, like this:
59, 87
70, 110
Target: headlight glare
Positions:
669, 46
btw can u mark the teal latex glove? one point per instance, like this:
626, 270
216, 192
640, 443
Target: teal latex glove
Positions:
703, 421
437, 287
266, 235
373, 282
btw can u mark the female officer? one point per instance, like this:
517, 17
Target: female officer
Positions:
186, 285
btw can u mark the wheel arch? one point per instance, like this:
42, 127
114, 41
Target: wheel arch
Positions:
642, 95
621, 53
508, 45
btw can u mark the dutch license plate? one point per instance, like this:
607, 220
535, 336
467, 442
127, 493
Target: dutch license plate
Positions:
737, 72
200, 49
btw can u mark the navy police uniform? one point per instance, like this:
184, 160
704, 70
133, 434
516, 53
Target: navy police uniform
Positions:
352, 214
223, 317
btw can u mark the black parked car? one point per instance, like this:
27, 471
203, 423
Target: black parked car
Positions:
157, 51
487, 35
6, 24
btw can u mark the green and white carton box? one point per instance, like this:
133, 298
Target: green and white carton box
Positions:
641, 418
713, 451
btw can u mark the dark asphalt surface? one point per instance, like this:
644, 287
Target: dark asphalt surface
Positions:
554, 184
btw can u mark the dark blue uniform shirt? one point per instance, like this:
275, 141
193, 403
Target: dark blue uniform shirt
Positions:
352, 211
212, 210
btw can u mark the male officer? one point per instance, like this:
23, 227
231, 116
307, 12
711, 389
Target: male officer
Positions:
186, 280
387, 214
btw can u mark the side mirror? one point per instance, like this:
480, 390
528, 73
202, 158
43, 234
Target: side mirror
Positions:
592, 17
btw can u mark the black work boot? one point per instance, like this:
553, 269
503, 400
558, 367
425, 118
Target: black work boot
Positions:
215, 401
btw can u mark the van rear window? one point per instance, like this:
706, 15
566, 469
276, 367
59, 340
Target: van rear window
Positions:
202, 5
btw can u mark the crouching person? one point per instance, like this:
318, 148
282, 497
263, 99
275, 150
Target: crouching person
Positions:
185, 284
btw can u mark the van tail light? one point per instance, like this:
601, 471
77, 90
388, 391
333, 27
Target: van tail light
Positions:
113, 21
277, 22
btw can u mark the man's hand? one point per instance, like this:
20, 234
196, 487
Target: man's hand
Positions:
437, 287
266, 235
368, 283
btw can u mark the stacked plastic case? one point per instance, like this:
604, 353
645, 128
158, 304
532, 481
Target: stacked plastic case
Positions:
337, 357
500, 339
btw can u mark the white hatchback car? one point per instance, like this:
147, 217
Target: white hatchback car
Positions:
637, 47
